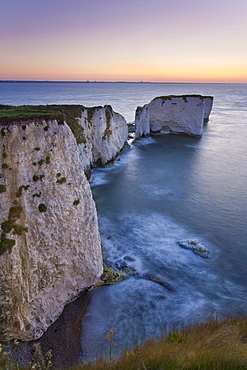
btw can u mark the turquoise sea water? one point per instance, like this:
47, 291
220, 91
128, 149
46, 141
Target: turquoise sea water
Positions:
163, 190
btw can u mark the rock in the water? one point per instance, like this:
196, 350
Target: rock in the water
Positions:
196, 247
184, 114
111, 276
157, 280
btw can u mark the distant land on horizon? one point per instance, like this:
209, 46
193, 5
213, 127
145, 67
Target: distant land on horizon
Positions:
124, 82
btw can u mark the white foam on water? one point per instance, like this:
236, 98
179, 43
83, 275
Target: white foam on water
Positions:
99, 177
149, 243
100, 174
138, 309
154, 236
198, 146
144, 141
156, 192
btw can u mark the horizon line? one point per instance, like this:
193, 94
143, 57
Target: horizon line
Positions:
117, 81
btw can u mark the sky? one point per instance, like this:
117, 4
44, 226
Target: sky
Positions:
124, 40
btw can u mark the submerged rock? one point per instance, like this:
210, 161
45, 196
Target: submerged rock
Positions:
126, 270
184, 114
196, 247
157, 280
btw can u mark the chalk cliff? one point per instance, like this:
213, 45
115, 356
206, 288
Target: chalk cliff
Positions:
105, 133
50, 246
173, 114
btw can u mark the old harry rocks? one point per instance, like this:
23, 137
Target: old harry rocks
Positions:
182, 114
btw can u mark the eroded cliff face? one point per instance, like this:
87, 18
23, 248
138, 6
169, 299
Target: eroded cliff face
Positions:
50, 244
176, 114
104, 133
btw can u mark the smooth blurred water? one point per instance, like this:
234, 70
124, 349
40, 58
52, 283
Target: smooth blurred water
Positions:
164, 189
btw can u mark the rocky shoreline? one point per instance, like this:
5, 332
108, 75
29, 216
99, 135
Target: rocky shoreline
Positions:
60, 344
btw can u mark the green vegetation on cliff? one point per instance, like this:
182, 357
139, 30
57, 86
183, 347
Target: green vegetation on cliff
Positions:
7, 226
2, 188
9, 113
170, 97
62, 113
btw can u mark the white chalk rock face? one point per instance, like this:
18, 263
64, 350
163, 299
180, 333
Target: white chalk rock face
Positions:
208, 100
50, 247
105, 134
184, 114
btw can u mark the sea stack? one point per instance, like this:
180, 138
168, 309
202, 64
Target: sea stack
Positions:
181, 114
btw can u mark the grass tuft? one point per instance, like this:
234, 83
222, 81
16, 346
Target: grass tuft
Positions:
42, 207
61, 180
217, 345
2, 188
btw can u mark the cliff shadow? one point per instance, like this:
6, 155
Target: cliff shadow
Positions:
62, 338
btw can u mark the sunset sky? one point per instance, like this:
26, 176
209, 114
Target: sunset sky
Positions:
128, 40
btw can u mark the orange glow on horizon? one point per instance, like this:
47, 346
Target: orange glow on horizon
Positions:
170, 42
237, 75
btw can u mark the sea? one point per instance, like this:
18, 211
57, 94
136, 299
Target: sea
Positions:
163, 190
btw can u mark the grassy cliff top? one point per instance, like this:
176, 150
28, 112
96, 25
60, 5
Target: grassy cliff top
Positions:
23, 113
62, 113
